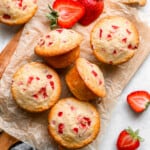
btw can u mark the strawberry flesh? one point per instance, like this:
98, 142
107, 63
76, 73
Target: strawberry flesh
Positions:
6, 16
128, 141
138, 100
93, 9
69, 12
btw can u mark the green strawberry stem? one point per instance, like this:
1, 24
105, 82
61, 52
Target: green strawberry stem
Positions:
147, 105
53, 17
134, 134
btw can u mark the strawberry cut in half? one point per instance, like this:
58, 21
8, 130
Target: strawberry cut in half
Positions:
65, 13
138, 100
93, 9
128, 140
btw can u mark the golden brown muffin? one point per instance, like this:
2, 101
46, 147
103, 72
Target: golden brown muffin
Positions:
60, 47
63, 60
114, 40
36, 87
73, 124
85, 80
15, 12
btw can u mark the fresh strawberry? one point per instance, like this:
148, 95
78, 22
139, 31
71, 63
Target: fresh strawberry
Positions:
138, 100
128, 140
93, 9
65, 13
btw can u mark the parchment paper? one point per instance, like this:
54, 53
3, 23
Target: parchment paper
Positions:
32, 128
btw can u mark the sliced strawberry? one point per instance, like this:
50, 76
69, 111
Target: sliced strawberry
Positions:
66, 13
128, 140
138, 100
93, 9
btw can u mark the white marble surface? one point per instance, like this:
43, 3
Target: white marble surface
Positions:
6, 33
122, 116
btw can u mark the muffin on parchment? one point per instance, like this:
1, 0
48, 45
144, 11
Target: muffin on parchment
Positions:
60, 47
85, 80
73, 124
35, 87
114, 40
15, 12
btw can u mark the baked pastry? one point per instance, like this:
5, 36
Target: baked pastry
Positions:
114, 40
73, 124
135, 2
85, 80
15, 12
36, 87
60, 47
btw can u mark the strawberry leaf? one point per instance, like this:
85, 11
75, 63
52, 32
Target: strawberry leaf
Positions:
53, 17
134, 134
147, 105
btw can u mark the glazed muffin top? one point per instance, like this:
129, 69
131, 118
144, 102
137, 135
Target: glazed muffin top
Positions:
14, 12
114, 39
57, 42
72, 123
92, 76
36, 87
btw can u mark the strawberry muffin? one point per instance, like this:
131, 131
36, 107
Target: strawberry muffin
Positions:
36, 87
73, 124
114, 40
60, 47
85, 80
15, 12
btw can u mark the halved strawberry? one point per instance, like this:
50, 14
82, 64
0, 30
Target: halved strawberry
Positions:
65, 13
93, 9
128, 140
138, 100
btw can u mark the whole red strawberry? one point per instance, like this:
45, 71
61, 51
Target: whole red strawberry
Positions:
138, 100
93, 9
65, 13
128, 140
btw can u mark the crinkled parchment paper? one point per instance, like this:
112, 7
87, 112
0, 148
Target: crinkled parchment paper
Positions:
32, 128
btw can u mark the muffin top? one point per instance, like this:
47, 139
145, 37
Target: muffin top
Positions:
36, 87
92, 76
14, 12
114, 39
72, 123
57, 42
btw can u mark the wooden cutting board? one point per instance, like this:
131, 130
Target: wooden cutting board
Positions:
5, 139
8, 51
